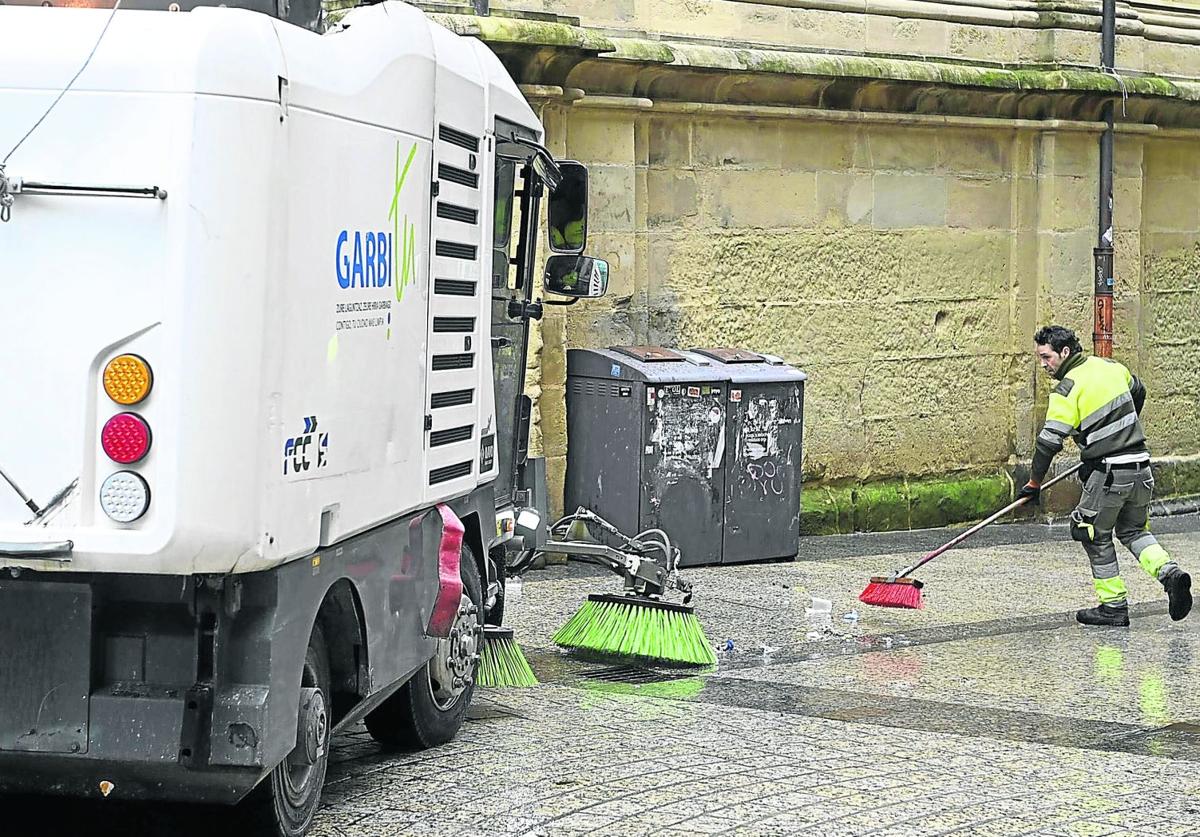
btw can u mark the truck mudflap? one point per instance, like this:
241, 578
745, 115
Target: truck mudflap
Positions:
450, 586
45, 683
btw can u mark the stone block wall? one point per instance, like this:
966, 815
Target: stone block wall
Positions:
892, 196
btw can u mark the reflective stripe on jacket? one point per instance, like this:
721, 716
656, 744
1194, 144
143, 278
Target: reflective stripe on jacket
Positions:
1097, 402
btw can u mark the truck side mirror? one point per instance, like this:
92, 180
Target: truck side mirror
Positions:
568, 209
582, 277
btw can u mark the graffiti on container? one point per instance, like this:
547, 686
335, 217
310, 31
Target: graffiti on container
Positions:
689, 434
766, 477
762, 465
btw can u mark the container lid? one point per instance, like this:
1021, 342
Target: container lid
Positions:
731, 355
650, 354
651, 364
742, 366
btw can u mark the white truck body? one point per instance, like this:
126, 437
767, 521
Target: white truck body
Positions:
309, 238
283, 292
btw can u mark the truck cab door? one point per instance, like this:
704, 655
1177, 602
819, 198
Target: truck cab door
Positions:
510, 289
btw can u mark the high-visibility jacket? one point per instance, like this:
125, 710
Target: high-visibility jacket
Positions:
1096, 402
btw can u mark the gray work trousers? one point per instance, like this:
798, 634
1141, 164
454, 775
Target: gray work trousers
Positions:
1117, 502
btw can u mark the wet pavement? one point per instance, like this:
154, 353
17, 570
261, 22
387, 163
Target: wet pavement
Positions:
989, 712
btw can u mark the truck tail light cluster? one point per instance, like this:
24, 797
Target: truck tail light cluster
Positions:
126, 438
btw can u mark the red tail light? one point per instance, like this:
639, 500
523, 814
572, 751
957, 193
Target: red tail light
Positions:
125, 438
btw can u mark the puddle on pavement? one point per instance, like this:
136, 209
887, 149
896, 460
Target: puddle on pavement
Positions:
1111, 665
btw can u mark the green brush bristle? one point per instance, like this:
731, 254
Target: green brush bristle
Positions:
637, 628
501, 663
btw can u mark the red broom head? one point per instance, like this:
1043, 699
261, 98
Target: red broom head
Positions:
900, 592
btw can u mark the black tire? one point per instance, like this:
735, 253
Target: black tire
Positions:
414, 718
288, 798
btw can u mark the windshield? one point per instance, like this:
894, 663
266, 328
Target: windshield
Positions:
306, 13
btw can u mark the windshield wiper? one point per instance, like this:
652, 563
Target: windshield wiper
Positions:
543, 160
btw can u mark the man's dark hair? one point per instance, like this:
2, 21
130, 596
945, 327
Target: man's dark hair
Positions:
1058, 338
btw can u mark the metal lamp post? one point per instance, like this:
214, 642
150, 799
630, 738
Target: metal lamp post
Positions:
1102, 333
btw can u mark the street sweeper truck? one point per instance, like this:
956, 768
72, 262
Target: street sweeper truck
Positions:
265, 292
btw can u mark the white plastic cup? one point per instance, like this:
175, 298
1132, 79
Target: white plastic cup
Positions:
821, 612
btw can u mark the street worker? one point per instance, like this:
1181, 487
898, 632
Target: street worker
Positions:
1097, 401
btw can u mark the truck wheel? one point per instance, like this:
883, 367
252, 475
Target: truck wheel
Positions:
289, 797
429, 709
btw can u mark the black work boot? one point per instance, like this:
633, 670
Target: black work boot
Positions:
1178, 585
1105, 614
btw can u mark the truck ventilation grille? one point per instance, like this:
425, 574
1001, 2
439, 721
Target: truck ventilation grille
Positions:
456, 175
462, 361
454, 398
448, 437
450, 472
454, 250
442, 325
454, 212
454, 287
456, 137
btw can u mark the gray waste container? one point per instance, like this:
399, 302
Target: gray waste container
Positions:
764, 432
646, 441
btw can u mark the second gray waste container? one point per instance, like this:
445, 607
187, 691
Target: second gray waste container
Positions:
764, 433
646, 443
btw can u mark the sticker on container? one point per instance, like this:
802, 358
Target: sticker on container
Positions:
649, 396
649, 449
735, 395
693, 392
626, 392
614, 371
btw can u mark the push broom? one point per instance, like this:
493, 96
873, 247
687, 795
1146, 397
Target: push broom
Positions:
637, 624
898, 590
501, 662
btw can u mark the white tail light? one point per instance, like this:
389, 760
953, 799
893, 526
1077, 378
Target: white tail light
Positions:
125, 496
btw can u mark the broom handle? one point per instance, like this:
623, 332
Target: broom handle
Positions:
931, 555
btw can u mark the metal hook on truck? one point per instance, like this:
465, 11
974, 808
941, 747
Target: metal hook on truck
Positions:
291, 421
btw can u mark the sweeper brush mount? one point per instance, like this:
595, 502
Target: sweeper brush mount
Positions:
647, 562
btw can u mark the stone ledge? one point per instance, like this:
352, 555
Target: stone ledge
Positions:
535, 34
1008, 13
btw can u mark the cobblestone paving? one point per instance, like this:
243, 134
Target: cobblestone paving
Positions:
899, 723
563, 761
987, 713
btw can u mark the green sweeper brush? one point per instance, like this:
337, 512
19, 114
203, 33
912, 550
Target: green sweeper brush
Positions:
638, 624
897, 590
502, 663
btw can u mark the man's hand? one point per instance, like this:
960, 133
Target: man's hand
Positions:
1032, 491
